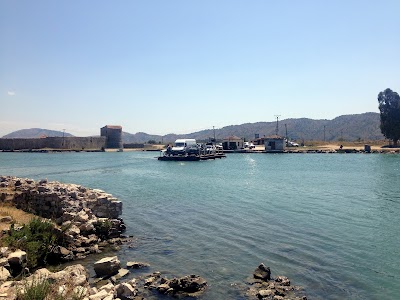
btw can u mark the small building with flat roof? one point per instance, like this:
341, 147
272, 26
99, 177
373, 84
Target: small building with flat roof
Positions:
232, 143
274, 143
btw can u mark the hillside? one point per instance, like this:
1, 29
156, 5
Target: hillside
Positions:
35, 133
349, 127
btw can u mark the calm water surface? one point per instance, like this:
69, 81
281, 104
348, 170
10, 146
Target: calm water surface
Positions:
330, 222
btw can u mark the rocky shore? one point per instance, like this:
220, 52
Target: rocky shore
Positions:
86, 221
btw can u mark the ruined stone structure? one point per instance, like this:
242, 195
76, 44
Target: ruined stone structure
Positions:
111, 137
113, 134
64, 143
55, 199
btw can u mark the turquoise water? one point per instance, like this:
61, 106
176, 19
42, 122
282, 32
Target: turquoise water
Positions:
330, 222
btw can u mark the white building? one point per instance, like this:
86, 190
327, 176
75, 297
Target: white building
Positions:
274, 143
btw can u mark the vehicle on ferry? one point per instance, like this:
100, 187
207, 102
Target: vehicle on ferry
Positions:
182, 146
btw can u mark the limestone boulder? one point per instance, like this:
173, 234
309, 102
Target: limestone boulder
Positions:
99, 296
265, 293
8, 290
82, 217
3, 261
4, 274
107, 266
125, 291
87, 228
121, 273
4, 251
73, 230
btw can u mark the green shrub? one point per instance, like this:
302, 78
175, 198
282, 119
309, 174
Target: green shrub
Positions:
36, 238
103, 228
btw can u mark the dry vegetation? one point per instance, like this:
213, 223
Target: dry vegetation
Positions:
18, 215
334, 145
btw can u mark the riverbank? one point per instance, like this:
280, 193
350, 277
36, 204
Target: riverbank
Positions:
75, 212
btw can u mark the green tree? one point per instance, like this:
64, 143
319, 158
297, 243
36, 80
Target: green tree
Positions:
389, 106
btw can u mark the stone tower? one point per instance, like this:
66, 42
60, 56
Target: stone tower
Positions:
113, 134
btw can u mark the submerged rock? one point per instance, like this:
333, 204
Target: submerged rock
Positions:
137, 265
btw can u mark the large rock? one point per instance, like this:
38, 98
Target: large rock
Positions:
17, 257
75, 275
99, 296
187, 285
107, 266
265, 293
125, 291
4, 274
262, 272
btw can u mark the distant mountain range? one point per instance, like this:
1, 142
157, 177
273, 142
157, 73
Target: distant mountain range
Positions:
347, 127
35, 133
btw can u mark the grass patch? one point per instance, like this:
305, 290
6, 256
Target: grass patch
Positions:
18, 216
37, 289
40, 288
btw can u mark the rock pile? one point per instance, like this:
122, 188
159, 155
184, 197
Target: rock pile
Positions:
263, 286
190, 285
72, 281
54, 199
88, 218
109, 268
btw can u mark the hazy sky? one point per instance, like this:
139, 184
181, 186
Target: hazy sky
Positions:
182, 66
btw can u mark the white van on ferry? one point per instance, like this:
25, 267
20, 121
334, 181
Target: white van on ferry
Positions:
181, 145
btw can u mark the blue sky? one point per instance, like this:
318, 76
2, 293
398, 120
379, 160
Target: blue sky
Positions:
182, 66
